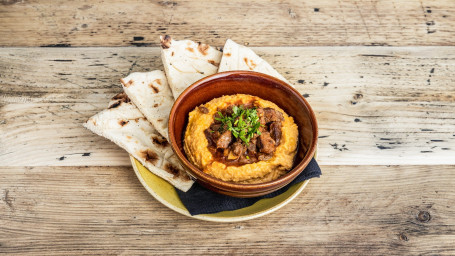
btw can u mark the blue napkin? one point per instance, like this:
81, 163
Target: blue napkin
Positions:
199, 200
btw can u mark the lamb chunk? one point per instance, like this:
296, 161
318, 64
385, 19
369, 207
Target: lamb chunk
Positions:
215, 127
271, 115
275, 131
252, 145
212, 136
224, 140
215, 118
203, 109
224, 128
266, 143
238, 148
215, 135
261, 115
229, 110
262, 129
246, 160
208, 135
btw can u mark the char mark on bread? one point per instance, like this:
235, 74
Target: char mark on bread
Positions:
114, 105
118, 99
149, 156
213, 63
121, 96
130, 82
203, 48
174, 170
123, 122
160, 141
154, 88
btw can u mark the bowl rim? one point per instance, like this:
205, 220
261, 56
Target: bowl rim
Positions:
231, 186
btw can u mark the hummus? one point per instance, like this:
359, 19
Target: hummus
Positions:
196, 143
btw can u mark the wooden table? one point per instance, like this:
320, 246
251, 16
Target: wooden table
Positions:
380, 76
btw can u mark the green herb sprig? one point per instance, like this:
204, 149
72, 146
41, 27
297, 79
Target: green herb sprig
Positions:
243, 123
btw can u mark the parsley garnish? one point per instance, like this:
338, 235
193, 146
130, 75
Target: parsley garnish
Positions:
243, 123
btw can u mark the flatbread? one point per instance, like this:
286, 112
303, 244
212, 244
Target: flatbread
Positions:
151, 94
125, 125
185, 62
239, 57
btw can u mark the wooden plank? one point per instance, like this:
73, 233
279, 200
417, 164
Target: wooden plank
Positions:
382, 105
258, 23
373, 210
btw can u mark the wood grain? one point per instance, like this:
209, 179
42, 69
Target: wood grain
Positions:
362, 210
258, 23
386, 119
382, 105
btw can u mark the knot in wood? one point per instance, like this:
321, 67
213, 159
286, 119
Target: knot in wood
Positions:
403, 237
424, 216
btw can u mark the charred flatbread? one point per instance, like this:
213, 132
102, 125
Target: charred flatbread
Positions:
126, 126
150, 92
186, 61
239, 57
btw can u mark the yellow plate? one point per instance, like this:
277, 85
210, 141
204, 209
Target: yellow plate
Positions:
164, 192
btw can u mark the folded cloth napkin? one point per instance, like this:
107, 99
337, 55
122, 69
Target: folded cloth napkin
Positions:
199, 200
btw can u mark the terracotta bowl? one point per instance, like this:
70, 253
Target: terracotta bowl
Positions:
252, 83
